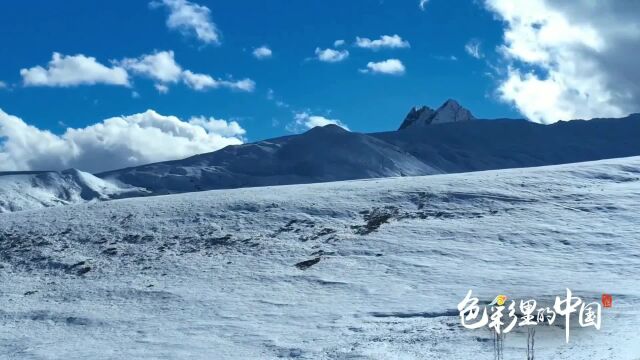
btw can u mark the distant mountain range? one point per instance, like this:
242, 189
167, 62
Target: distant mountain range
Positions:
447, 140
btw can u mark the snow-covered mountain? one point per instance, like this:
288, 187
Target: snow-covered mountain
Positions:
449, 112
501, 144
331, 153
29, 190
322, 154
345, 270
446, 140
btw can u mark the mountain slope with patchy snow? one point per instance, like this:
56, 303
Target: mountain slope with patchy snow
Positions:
368, 269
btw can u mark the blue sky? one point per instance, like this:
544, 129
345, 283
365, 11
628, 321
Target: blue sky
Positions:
131, 82
33, 30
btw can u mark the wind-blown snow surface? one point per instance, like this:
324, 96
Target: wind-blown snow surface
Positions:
212, 275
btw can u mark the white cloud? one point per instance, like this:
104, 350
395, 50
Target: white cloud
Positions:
304, 121
473, 48
569, 60
390, 67
113, 143
202, 82
191, 19
423, 4
246, 85
338, 43
65, 71
160, 66
263, 52
385, 41
3, 85
199, 81
164, 70
162, 89
331, 55
220, 127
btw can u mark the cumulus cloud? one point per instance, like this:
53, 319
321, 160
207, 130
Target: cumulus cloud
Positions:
199, 81
338, 43
190, 19
65, 71
160, 66
263, 52
570, 59
304, 121
473, 48
385, 41
331, 55
113, 143
3, 85
390, 67
423, 4
164, 70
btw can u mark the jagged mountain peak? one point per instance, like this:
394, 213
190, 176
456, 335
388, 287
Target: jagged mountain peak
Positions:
450, 111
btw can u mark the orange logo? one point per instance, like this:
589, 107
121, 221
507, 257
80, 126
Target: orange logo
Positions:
500, 300
607, 300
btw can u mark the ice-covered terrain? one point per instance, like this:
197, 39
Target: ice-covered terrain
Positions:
30, 190
367, 269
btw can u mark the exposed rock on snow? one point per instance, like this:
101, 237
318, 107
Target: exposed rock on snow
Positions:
304, 265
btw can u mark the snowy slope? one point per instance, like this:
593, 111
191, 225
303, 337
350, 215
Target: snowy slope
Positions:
501, 144
446, 141
322, 154
29, 190
331, 153
213, 275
